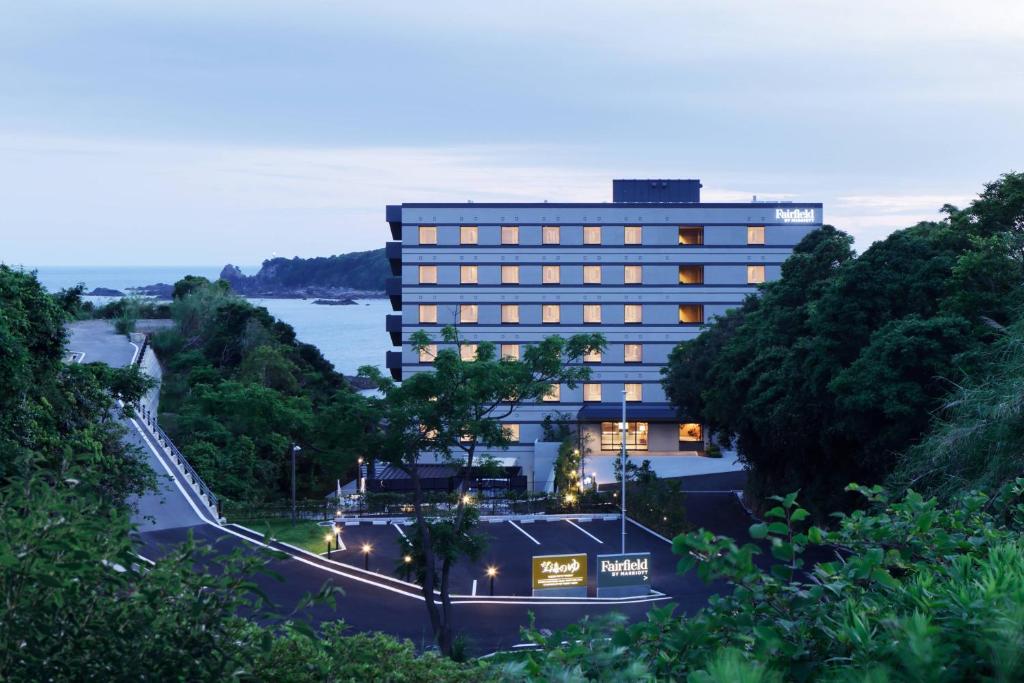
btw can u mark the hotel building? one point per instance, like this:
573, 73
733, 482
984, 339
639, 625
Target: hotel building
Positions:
646, 270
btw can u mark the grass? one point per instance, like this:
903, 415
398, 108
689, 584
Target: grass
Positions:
304, 534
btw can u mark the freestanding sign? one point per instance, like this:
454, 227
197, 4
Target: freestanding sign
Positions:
560, 575
623, 575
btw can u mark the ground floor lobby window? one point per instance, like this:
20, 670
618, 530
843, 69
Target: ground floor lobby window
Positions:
636, 436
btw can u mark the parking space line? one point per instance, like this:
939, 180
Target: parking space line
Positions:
400, 531
524, 532
585, 531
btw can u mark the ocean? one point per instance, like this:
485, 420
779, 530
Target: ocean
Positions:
348, 336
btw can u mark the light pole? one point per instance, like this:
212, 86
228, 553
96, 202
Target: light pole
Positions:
622, 471
328, 539
366, 556
360, 483
492, 571
295, 449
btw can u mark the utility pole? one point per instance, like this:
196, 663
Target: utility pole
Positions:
622, 470
295, 449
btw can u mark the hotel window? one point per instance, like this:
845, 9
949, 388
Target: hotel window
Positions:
689, 431
467, 352
511, 431
428, 275
468, 234
550, 313
550, 275
690, 314
591, 275
634, 235
554, 394
591, 392
550, 234
633, 314
510, 351
634, 392
469, 313
755, 275
591, 313
691, 236
510, 275
611, 436
468, 275
633, 353
691, 275
634, 275
510, 314
428, 234
592, 234
510, 234
428, 353
592, 356
428, 313
755, 234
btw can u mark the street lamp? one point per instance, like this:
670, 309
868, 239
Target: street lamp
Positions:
295, 450
407, 559
492, 571
466, 499
360, 482
328, 539
622, 500
366, 556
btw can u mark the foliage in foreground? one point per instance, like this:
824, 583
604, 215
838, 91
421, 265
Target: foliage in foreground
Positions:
915, 592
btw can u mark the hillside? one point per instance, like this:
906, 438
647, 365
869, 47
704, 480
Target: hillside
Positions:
360, 271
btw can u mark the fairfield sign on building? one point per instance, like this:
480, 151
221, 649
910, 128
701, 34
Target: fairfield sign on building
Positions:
794, 215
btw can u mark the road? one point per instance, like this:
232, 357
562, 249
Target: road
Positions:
377, 601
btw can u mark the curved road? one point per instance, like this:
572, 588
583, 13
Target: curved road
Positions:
373, 601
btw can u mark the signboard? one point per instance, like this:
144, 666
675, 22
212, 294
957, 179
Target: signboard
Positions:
794, 215
560, 575
623, 575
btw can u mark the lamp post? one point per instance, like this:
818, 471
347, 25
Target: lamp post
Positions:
366, 556
622, 471
360, 483
295, 449
328, 539
407, 559
492, 571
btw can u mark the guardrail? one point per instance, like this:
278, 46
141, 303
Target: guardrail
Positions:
179, 459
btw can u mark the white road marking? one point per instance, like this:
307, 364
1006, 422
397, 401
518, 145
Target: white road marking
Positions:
134, 355
650, 531
401, 532
524, 532
585, 531
474, 587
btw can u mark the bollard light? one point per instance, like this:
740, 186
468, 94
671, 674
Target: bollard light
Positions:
492, 571
366, 556
327, 538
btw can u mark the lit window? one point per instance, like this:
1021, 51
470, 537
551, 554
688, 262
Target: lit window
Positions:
691, 236
428, 234
551, 275
428, 353
689, 431
510, 275
636, 436
634, 275
634, 392
691, 275
468, 234
554, 394
755, 234
633, 353
591, 313
551, 313
634, 235
469, 313
510, 234
592, 234
755, 275
468, 275
592, 356
690, 314
428, 313
633, 314
510, 351
511, 431
591, 392
591, 275
510, 314
550, 234
467, 352
428, 275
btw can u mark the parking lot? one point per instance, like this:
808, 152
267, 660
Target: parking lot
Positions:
510, 547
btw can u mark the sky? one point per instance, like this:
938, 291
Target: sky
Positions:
145, 132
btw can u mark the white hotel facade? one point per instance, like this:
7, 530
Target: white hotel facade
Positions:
645, 270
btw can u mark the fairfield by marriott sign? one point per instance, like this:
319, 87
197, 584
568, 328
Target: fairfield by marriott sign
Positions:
628, 566
794, 215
